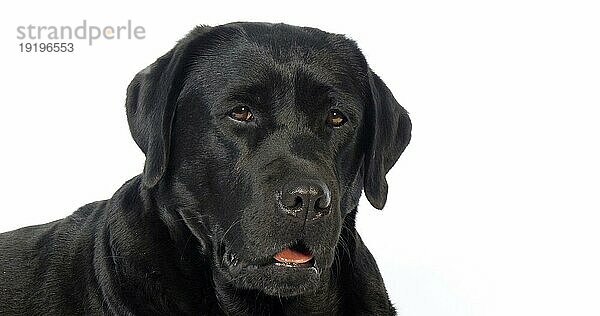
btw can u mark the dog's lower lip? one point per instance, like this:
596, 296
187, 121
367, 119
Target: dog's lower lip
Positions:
310, 263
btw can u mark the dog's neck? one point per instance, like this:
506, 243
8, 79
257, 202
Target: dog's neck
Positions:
162, 267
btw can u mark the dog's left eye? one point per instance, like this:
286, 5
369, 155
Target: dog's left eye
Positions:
336, 118
241, 113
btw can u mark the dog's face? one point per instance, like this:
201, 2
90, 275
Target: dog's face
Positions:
262, 137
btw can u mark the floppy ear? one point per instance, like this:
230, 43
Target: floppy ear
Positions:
151, 103
390, 129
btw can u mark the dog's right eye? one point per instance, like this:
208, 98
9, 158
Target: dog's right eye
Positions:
241, 113
336, 118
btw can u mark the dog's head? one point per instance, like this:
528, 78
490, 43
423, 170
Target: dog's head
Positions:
263, 137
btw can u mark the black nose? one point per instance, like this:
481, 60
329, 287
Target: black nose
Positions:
312, 196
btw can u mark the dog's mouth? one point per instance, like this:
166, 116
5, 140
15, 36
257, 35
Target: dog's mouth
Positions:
297, 255
292, 270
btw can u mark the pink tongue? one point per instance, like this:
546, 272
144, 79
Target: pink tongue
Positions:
288, 255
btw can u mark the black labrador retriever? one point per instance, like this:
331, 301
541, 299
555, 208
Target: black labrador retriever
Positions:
259, 140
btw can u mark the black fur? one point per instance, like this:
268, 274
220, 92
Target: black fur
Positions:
195, 233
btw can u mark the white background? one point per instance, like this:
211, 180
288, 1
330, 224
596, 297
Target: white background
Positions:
493, 208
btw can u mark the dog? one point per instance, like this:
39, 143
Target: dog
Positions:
259, 140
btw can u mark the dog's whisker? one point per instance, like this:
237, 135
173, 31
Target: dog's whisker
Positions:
220, 243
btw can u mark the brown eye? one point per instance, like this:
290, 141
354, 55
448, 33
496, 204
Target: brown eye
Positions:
241, 113
336, 118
